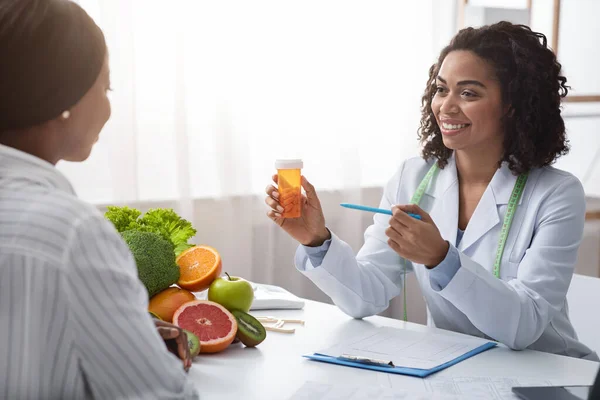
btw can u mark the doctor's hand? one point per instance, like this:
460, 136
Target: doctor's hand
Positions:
416, 240
309, 229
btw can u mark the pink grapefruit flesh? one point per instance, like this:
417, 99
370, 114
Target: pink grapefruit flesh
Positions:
214, 326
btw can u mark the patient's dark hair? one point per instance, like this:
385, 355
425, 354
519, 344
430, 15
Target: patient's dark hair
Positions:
532, 86
51, 54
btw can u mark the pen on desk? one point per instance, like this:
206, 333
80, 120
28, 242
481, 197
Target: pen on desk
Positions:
375, 210
366, 360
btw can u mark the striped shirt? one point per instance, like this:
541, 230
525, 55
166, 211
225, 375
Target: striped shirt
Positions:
73, 313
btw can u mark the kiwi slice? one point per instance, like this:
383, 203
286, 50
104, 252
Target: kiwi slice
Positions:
193, 343
250, 331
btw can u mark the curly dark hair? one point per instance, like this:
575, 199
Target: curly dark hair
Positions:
531, 84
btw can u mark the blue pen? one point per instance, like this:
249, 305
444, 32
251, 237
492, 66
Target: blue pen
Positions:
375, 210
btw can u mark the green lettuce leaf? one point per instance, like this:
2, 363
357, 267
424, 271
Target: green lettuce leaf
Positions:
123, 218
170, 226
162, 221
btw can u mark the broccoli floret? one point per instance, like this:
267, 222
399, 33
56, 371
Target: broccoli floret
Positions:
154, 258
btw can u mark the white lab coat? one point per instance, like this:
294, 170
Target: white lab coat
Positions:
526, 308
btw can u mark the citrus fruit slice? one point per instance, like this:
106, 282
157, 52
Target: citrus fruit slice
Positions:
214, 326
199, 266
165, 303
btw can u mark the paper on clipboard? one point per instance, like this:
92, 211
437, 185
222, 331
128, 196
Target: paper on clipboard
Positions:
405, 348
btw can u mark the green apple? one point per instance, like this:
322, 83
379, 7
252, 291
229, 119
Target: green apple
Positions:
232, 292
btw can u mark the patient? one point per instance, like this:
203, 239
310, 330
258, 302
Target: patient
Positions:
73, 313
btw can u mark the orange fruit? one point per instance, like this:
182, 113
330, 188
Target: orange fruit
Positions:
214, 326
199, 266
165, 303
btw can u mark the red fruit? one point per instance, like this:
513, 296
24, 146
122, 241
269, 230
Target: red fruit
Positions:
214, 326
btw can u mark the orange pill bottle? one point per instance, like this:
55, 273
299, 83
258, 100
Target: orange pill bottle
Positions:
290, 187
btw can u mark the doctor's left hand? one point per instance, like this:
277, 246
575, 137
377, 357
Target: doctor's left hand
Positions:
417, 241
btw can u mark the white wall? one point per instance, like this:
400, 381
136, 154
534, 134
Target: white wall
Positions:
578, 41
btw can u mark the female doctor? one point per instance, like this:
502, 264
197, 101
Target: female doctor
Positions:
496, 245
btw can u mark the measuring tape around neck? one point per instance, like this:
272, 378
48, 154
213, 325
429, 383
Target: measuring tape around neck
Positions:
513, 202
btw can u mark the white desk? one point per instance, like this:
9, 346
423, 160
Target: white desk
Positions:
276, 369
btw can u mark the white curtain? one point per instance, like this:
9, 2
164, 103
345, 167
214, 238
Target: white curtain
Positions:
207, 94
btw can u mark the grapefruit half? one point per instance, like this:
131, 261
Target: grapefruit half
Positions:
214, 326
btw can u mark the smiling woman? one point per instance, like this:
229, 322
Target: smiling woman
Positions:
490, 128
468, 109
506, 85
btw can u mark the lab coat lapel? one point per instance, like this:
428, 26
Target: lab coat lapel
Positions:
482, 221
445, 208
486, 215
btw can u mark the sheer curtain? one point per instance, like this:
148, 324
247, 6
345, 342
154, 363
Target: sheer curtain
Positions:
207, 94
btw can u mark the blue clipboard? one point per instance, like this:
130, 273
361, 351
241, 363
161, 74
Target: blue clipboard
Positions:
399, 369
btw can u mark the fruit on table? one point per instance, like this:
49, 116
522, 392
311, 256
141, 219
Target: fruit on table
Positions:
232, 292
165, 303
214, 326
199, 266
154, 315
193, 343
250, 331
154, 259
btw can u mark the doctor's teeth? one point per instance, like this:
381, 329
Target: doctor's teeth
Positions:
453, 127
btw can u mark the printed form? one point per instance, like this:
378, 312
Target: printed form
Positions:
433, 388
327, 391
496, 388
406, 348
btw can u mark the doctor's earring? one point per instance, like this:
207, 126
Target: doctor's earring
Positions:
66, 114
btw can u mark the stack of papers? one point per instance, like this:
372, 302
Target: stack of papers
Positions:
433, 388
402, 351
269, 297
325, 391
481, 387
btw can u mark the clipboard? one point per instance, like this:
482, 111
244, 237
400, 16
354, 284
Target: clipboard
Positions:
388, 366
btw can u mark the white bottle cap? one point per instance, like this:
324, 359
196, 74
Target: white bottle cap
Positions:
289, 164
